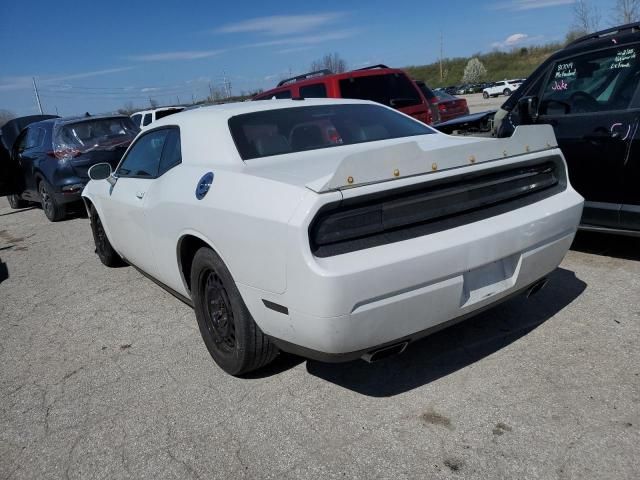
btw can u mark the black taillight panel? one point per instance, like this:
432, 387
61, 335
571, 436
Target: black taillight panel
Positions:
409, 212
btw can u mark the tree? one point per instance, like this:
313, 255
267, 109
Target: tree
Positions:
5, 116
153, 102
586, 19
474, 71
331, 61
127, 109
626, 11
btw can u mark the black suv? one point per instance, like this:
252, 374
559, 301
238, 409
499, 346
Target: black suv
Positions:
589, 92
49, 160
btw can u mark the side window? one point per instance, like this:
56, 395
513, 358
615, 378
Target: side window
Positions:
282, 94
593, 82
147, 120
171, 153
34, 138
317, 90
136, 119
143, 159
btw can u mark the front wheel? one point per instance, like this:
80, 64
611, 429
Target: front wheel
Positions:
16, 202
485, 95
52, 209
107, 255
232, 337
506, 92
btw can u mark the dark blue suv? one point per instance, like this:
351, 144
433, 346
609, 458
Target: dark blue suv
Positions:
51, 158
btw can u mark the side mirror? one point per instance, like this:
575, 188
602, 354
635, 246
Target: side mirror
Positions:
100, 171
528, 110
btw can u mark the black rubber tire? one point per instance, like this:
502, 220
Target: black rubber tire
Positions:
233, 339
485, 95
16, 202
506, 92
52, 209
107, 255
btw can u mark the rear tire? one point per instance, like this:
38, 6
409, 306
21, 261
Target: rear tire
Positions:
107, 255
485, 95
16, 202
232, 337
52, 209
506, 92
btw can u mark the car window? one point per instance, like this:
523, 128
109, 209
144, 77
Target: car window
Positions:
165, 113
171, 153
393, 89
592, 82
282, 94
317, 90
136, 119
143, 159
287, 130
34, 137
147, 120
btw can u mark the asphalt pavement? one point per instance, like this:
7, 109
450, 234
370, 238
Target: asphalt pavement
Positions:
104, 375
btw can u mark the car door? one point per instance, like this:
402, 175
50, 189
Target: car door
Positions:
9, 174
26, 150
590, 100
124, 211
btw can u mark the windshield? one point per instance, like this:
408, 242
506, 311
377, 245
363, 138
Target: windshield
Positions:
92, 134
288, 130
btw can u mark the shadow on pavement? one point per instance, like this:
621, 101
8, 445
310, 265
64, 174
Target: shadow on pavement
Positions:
456, 347
13, 212
609, 245
4, 271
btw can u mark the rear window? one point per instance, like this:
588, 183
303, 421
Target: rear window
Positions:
93, 134
288, 130
165, 113
426, 91
443, 96
393, 89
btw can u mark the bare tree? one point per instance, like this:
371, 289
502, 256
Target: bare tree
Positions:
127, 109
626, 11
586, 18
153, 102
474, 71
5, 116
331, 61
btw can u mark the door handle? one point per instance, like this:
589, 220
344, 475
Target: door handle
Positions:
139, 195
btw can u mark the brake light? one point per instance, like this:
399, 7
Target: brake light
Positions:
442, 107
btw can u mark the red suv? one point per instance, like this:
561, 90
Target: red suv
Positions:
379, 83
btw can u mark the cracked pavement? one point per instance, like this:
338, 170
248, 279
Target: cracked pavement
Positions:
104, 375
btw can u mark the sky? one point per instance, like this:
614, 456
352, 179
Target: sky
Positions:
100, 56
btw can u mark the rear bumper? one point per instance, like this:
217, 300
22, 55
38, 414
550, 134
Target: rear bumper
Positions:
350, 303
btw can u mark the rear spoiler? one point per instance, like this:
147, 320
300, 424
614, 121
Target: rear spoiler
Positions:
474, 121
409, 159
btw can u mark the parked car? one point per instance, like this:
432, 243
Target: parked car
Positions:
52, 158
369, 238
144, 118
9, 170
505, 87
444, 107
378, 83
589, 93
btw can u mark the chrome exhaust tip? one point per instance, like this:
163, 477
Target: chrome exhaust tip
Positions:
536, 287
385, 352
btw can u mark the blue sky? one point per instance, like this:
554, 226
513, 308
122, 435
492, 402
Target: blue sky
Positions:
96, 56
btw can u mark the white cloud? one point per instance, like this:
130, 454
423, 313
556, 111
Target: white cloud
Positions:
166, 56
305, 39
281, 24
515, 40
24, 82
519, 5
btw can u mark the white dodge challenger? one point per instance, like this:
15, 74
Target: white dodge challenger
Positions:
333, 229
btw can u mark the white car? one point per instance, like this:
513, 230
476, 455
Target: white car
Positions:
144, 118
505, 87
334, 229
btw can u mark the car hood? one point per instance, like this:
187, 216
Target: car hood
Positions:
351, 166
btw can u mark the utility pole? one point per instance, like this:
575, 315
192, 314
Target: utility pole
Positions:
35, 89
227, 84
210, 92
441, 77
178, 99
